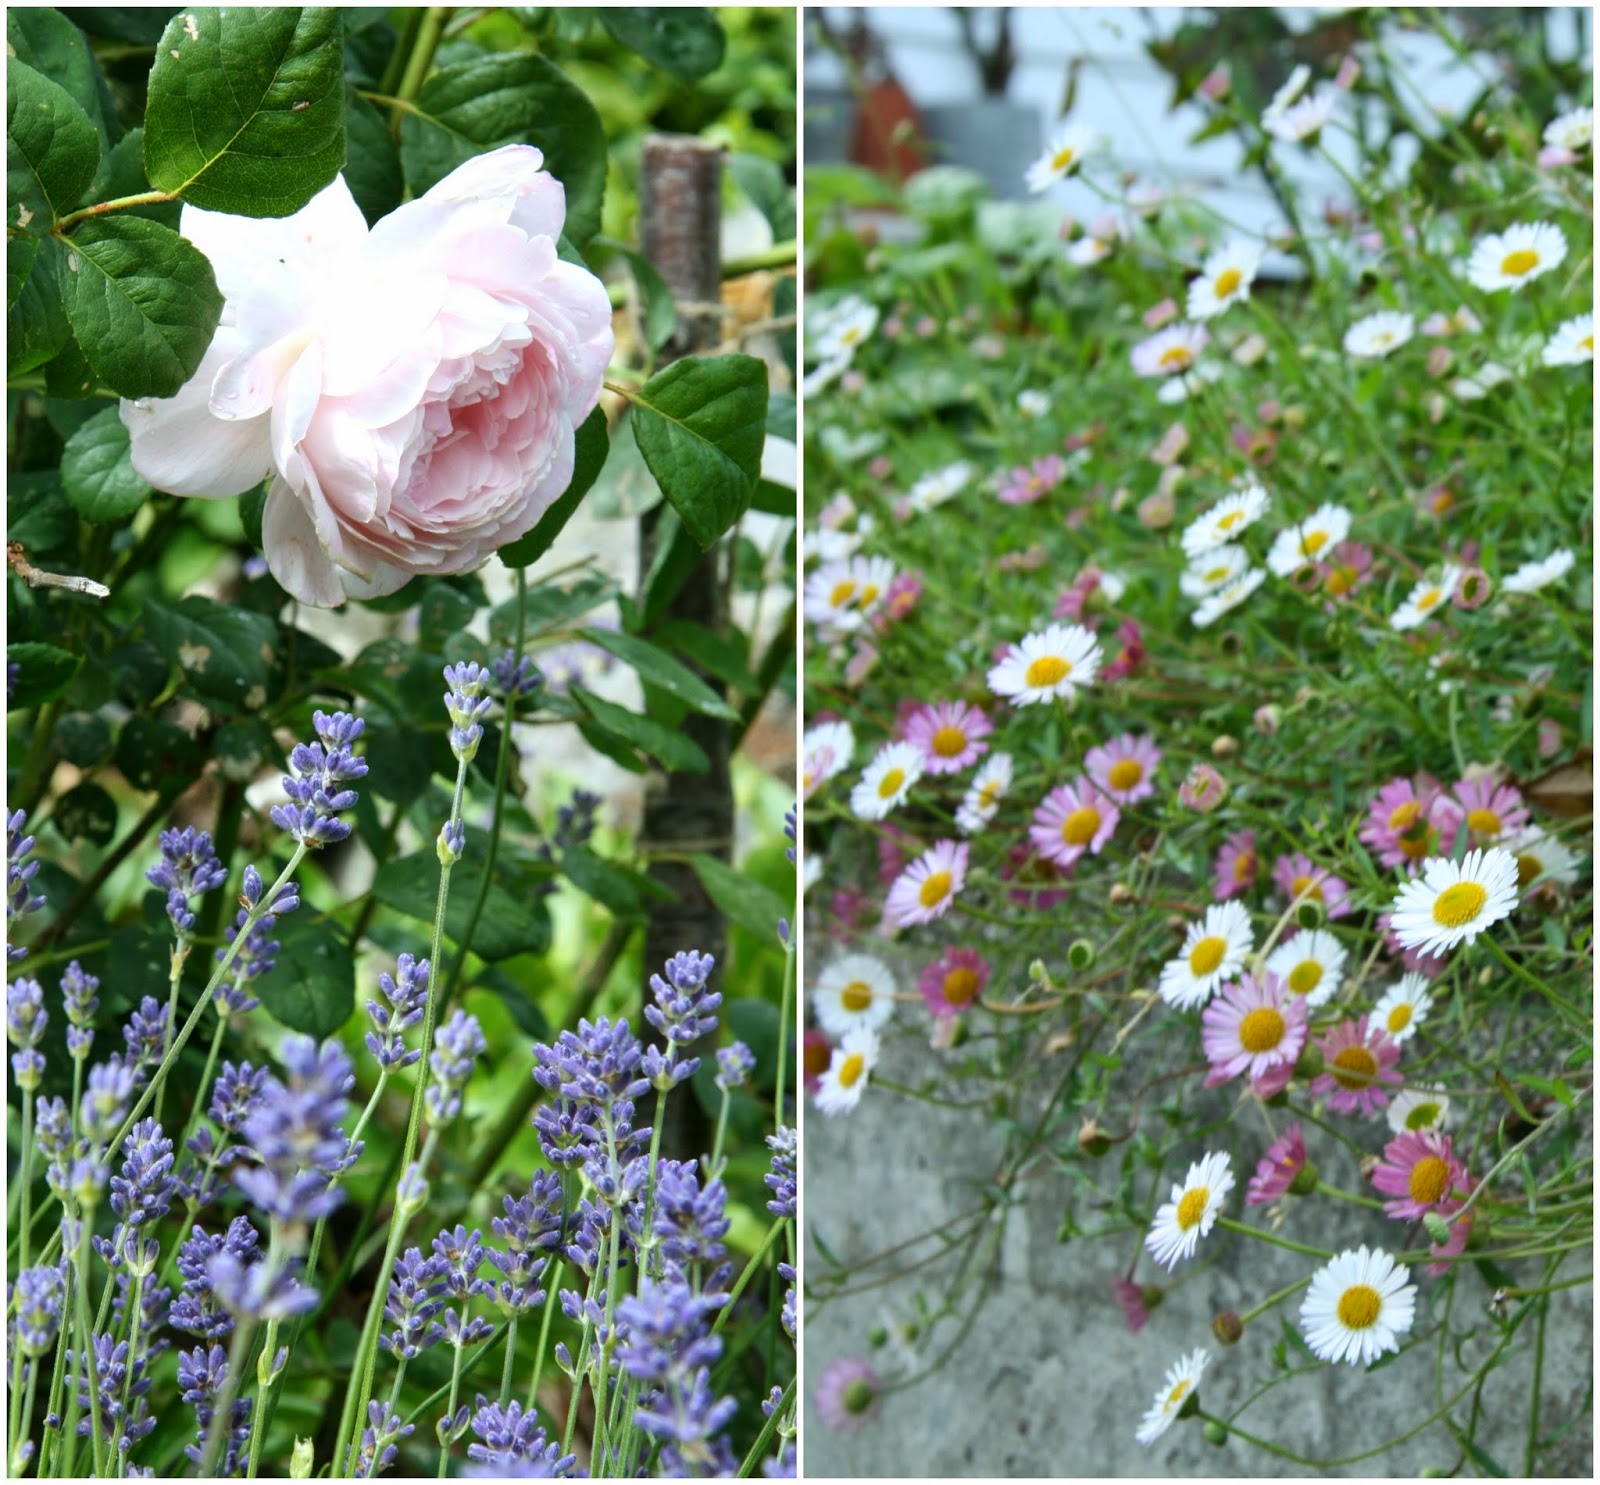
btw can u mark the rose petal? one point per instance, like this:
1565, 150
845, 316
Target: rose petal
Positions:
294, 554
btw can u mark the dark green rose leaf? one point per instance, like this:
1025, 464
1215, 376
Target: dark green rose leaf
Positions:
43, 673
514, 919
83, 738
153, 754
739, 898
143, 304
51, 150
225, 652
312, 987
700, 425
513, 98
593, 444
246, 112
666, 744
657, 668
36, 318
372, 170
98, 473
88, 813
49, 43
686, 40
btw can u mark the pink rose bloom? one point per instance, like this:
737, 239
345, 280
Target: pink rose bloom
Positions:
412, 390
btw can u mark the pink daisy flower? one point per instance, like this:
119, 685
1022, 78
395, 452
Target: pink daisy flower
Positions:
1123, 767
848, 1394
1295, 876
928, 886
954, 981
816, 1054
1419, 1172
1408, 820
1131, 1297
1358, 1062
1347, 567
1028, 483
1236, 867
894, 847
1037, 878
1133, 652
1203, 789
1492, 809
899, 599
1253, 1027
1071, 819
1277, 1169
949, 734
1073, 603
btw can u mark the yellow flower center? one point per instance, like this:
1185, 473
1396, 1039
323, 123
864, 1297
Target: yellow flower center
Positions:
1261, 1030
949, 742
1310, 886
960, 985
1079, 827
1063, 158
1178, 1393
842, 593
1176, 358
856, 996
1227, 281
1192, 1207
851, 1068
1354, 1068
1218, 574
1519, 263
1244, 866
891, 782
1430, 599
1359, 1307
1232, 519
851, 335
1484, 822
1399, 1018
1587, 344
1305, 977
1414, 845
1047, 670
1528, 867
1429, 1180
935, 888
1206, 955
1125, 773
1459, 905
1405, 815
989, 792
868, 593
1342, 579
1314, 541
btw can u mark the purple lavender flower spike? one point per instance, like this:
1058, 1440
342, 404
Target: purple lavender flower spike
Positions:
414, 1299
295, 1132
78, 994
202, 1375
457, 1046
20, 898
25, 1023
380, 1441
452, 844
467, 705
791, 831
516, 675
314, 785
140, 1197
786, 1272
259, 953
40, 1293
112, 1368
684, 1011
689, 1221
599, 1063
531, 1229
259, 1291
509, 1437
735, 1063
782, 1177
197, 1310
404, 1002
236, 1094
146, 1034
107, 1097
188, 868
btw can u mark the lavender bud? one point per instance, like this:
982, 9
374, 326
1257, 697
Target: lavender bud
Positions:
467, 707
735, 1063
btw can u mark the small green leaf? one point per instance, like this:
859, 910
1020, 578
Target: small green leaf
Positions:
592, 443
51, 150
685, 40
86, 812
372, 170
143, 303
723, 655
49, 43
225, 652
20, 253
666, 744
657, 668
36, 320
511, 98
595, 877
44, 672
739, 898
97, 470
158, 755
660, 315
312, 988
246, 110
515, 919
700, 425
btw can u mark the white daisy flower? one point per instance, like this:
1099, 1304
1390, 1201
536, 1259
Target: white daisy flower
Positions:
1305, 119
1230, 597
1188, 1215
1225, 520
826, 750
1540, 573
1213, 570
846, 329
1357, 1307
1572, 344
940, 485
989, 786
1482, 382
1062, 155
1287, 94
824, 375
1214, 950
1182, 1381
1572, 131
1541, 858
848, 1072
1088, 250
1510, 259
1412, 1110
1048, 663
1425, 597
1181, 388
1225, 278
1403, 1007
1310, 964
811, 871
1307, 540
1379, 334
1452, 903
1170, 351
824, 544
857, 990
840, 595
887, 780
1032, 403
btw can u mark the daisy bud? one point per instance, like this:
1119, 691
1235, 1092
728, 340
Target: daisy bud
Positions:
1309, 914
877, 1336
1472, 589
1267, 719
1203, 790
1120, 893
1093, 1140
1294, 417
1224, 746
1305, 1180
1348, 75
1440, 360
1216, 84
1549, 738
1310, 1063
1159, 314
1037, 973
1250, 350
1120, 498
1214, 1431
1227, 1327
1171, 477
1438, 1228
303, 1460
1369, 1163
1157, 512
1081, 955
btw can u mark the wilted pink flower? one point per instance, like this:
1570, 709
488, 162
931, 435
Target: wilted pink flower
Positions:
848, 1394
1131, 1297
899, 599
849, 905
1171, 445
1157, 512
1216, 84
1027, 484
1473, 589
881, 468
1161, 314
860, 664
1275, 1173
1348, 75
836, 512
893, 845
1071, 604
1133, 653
1346, 568
1035, 879
816, 1054
1203, 790
1237, 866
411, 389
1549, 737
